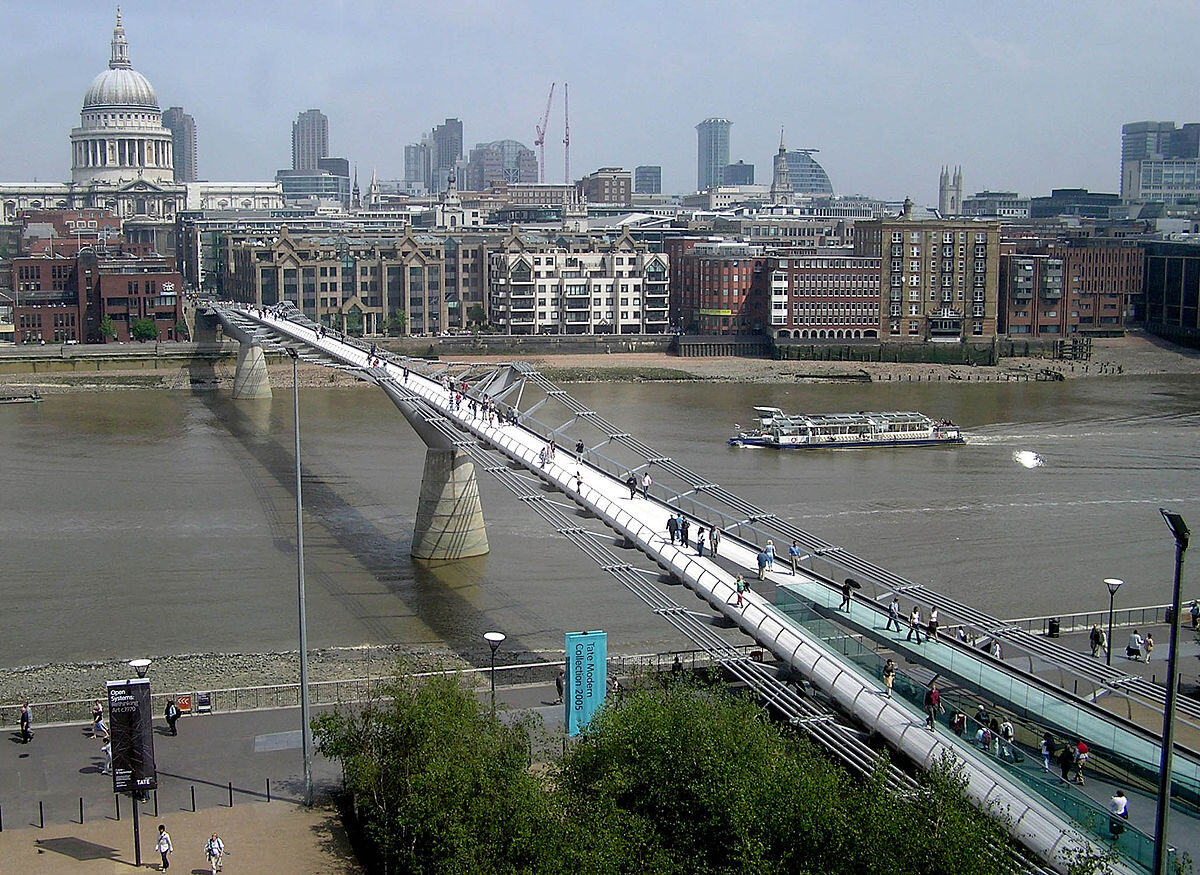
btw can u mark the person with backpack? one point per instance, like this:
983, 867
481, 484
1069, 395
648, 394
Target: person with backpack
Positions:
214, 850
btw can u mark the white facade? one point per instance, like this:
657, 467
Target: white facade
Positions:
553, 291
234, 196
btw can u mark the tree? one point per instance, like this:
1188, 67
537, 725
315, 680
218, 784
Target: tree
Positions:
475, 315
107, 329
181, 330
397, 322
143, 329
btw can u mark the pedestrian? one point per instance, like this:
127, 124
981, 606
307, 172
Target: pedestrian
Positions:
794, 555
1133, 650
578, 481
997, 651
933, 706
1082, 755
958, 723
98, 728
762, 564
214, 850
673, 528
847, 589
889, 676
26, 724
739, 586
1047, 750
172, 714
770, 550
631, 482
994, 737
1066, 762
559, 680
893, 615
647, 482
106, 749
933, 624
1006, 736
700, 540
1118, 809
579, 448
1094, 639
1194, 610
163, 846
543, 455
1149, 645
914, 624
685, 528
714, 539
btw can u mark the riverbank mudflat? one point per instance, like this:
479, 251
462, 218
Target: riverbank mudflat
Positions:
1134, 354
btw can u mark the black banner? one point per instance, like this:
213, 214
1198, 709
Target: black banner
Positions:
132, 736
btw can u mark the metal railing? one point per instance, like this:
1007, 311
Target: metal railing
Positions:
1150, 615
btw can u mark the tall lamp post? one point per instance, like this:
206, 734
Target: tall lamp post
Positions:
305, 729
1181, 533
494, 640
1113, 584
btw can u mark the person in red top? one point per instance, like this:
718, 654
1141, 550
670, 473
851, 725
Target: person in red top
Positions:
1081, 756
933, 706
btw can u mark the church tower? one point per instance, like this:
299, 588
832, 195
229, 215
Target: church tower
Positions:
781, 179
950, 192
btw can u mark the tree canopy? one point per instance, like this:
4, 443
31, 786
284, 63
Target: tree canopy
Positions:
676, 780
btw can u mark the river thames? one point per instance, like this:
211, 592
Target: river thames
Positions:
162, 522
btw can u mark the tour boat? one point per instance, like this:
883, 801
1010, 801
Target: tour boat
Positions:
32, 398
843, 431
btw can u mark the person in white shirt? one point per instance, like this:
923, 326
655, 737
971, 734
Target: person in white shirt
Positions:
163, 846
1133, 650
1118, 809
215, 850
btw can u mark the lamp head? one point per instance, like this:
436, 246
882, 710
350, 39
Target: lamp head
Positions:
494, 639
1113, 584
141, 666
292, 351
1179, 529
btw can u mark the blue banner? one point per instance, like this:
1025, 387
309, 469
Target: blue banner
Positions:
587, 678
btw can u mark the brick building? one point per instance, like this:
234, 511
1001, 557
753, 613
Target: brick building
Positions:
608, 185
826, 295
1173, 291
1069, 287
722, 288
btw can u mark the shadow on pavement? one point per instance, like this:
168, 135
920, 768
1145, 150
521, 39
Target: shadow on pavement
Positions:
77, 849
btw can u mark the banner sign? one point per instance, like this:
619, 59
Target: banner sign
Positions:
587, 678
131, 734
184, 704
203, 703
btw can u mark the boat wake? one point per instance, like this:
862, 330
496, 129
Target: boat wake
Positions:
1028, 459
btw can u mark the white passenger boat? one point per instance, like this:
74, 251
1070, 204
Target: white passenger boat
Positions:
843, 431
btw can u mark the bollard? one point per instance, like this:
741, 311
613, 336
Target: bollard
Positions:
81, 811
231, 794
268, 789
117, 798
156, 802
193, 799
41, 815
1, 818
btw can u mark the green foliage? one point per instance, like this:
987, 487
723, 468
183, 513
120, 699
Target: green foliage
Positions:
107, 329
677, 781
143, 329
397, 323
475, 315
181, 330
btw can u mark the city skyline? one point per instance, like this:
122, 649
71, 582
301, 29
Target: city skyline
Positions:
838, 82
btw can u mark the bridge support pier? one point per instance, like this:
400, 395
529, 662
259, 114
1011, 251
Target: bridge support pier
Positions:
449, 522
250, 379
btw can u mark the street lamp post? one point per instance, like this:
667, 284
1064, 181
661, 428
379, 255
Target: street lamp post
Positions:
1113, 584
494, 640
305, 729
1181, 533
141, 666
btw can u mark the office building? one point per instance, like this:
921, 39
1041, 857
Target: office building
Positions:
740, 173
720, 289
539, 287
1068, 287
183, 142
647, 179
939, 278
712, 151
808, 177
831, 295
608, 185
416, 167
1160, 162
310, 139
1074, 202
499, 161
445, 151
1172, 291
996, 205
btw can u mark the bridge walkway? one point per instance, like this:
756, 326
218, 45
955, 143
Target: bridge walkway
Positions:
641, 521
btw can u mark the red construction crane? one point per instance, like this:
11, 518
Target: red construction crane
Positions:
540, 139
566, 136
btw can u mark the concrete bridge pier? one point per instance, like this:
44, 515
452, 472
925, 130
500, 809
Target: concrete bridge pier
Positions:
449, 523
250, 379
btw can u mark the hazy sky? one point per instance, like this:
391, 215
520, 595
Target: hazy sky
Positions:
1024, 96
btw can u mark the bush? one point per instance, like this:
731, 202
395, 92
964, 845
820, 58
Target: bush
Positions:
143, 330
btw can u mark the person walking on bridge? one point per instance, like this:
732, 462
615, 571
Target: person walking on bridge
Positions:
794, 555
762, 564
893, 615
685, 527
700, 540
26, 724
933, 706
847, 591
739, 586
673, 528
914, 624
647, 482
714, 539
631, 482
1133, 650
1149, 646
1095, 639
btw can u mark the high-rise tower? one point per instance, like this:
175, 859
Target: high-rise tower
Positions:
712, 151
310, 139
183, 142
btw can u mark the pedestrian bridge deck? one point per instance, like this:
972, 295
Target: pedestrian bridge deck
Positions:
595, 483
